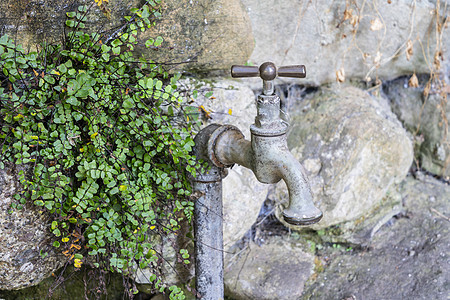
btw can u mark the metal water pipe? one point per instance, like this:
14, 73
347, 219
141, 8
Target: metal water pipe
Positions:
267, 155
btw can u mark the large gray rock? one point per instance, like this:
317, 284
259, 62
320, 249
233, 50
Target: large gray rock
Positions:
425, 117
24, 236
408, 257
321, 35
277, 269
353, 148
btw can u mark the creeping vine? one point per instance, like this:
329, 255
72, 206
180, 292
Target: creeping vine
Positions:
94, 131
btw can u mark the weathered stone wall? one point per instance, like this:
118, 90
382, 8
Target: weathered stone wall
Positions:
364, 40
31, 22
24, 239
353, 144
200, 35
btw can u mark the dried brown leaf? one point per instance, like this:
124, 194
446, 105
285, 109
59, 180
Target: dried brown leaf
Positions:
437, 60
348, 13
377, 59
376, 25
426, 90
409, 49
413, 81
354, 21
340, 75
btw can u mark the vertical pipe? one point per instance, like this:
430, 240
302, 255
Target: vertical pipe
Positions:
209, 240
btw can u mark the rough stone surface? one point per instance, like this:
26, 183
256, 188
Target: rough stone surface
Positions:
277, 269
201, 34
72, 286
407, 258
427, 118
353, 148
320, 35
173, 271
23, 235
30, 22
204, 35
243, 194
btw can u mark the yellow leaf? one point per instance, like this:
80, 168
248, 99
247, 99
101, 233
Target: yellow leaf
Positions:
94, 135
34, 137
230, 112
122, 188
152, 227
77, 263
65, 240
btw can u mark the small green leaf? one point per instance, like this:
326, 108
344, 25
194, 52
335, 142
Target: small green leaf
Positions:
116, 50
70, 23
128, 103
114, 191
73, 101
158, 41
149, 42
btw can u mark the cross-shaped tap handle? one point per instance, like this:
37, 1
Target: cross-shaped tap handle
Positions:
268, 71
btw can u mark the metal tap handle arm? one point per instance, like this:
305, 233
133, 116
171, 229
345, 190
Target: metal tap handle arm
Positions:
244, 71
297, 71
268, 71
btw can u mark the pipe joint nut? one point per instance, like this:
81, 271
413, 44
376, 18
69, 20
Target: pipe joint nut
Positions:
213, 151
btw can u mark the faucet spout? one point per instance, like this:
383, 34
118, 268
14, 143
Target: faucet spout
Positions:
274, 161
270, 160
301, 209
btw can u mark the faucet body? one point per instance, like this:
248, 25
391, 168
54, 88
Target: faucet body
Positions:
266, 154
